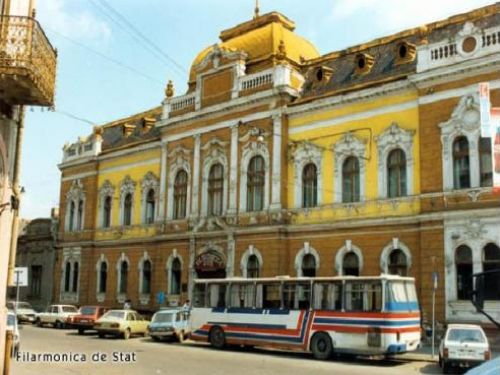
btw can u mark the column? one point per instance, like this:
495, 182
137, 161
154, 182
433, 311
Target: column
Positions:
191, 270
163, 183
233, 174
196, 176
276, 177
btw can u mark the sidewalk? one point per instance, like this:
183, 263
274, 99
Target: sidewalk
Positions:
424, 354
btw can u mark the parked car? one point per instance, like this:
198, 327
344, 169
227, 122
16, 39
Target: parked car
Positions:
14, 328
491, 367
57, 316
121, 323
463, 345
86, 318
24, 311
169, 324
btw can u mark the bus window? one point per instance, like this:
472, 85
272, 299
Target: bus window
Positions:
328, 296
296, 296
199, 295
217, 295
268, 296
373, 297
396, 298
354, 296
242, 295
363, 296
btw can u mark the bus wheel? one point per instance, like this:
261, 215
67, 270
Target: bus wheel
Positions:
217, 337
321, 346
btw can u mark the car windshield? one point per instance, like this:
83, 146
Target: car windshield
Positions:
114, 315
11, 320
87, 310
24, 305
465, 335
69, 309
163, 317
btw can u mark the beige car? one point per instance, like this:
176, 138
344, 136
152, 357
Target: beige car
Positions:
121, 323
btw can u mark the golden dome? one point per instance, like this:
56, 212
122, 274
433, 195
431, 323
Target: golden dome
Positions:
260, 39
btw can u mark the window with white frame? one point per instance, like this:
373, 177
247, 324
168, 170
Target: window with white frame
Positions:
175, 276
397, 263
461, 163
309, 186
396, 174
149, 188
123, 268
127, 190
491, 261
215, 189
254, 177
307, 159
463, 268
102, 280
75, 207
350, 264
255, 184
180, 195
106, 194
150, 207
350, 180
146, 277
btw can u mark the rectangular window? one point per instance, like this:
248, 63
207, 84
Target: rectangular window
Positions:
268, 296
363, 296
36, 281
242, 295
296, 296
328, 296
199, 295
217, 295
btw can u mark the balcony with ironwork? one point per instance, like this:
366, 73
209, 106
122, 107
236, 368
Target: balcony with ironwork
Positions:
27, 63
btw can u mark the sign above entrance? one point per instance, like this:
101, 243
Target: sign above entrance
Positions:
209, 261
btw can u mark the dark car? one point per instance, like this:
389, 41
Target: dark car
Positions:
86, 318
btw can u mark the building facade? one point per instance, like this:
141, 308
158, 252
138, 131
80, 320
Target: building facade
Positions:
280, 161
36, 250
27, 77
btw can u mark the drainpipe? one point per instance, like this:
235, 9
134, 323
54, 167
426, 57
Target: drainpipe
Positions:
16, 197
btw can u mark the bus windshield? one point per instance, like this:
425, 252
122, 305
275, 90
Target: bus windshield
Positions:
401, 296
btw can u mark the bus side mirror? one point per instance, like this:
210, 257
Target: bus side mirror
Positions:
478, 293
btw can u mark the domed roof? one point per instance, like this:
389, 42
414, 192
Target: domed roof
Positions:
260, 39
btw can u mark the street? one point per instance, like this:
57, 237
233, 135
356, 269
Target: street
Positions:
90, 355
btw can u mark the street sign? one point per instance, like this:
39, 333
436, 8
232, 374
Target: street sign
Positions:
484, 109
435, 278
20, 276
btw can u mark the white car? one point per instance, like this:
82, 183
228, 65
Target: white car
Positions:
24, 311
57, 315
13, 327
463, 345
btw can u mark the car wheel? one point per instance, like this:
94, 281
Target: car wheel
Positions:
101, 335
38, 322
155, 338
217, 337
81, 331
58, 324
446, 367
126, 334
321, 346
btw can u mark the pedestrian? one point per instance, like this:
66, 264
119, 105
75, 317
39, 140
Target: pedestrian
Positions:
127, 305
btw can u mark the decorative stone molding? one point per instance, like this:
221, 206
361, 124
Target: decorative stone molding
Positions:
150, 181
179, 159
214, 153
395, 244
464, 121
343, 251
73, 257
304, 154
244, 259
168, 267
106, 190
127, 186
349, 145
250, 150
394, 137
307, 249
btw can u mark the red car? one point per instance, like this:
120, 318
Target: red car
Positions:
86, 318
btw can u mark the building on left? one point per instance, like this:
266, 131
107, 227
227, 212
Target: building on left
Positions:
27, 78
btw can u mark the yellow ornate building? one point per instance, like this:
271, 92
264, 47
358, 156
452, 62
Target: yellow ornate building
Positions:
279, 161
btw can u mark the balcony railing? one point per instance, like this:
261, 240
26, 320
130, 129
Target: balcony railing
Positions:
27, 62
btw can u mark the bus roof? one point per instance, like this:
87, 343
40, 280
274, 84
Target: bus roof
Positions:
322, 278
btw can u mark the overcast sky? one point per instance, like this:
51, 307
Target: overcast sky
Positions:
93, 88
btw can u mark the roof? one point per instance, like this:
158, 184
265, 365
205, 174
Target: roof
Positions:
469, 326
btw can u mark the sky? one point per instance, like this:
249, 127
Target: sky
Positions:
106, 72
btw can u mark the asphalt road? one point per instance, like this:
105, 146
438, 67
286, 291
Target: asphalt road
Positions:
143, 356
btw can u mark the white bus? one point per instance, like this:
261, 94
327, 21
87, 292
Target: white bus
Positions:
348, 314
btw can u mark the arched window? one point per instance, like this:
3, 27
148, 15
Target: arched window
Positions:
150, 207
146, 277
106, 214
398, 264
396, 174
180, 194
485, 164
79, 219
255, 184
215, 189
350, 265
308, 266
175, 276
253, 267
71, 224
463, 266
350, 180
123, 277
309, 186
67, 276
461, 166
127, 210
74, 288
491, 261
103, 277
